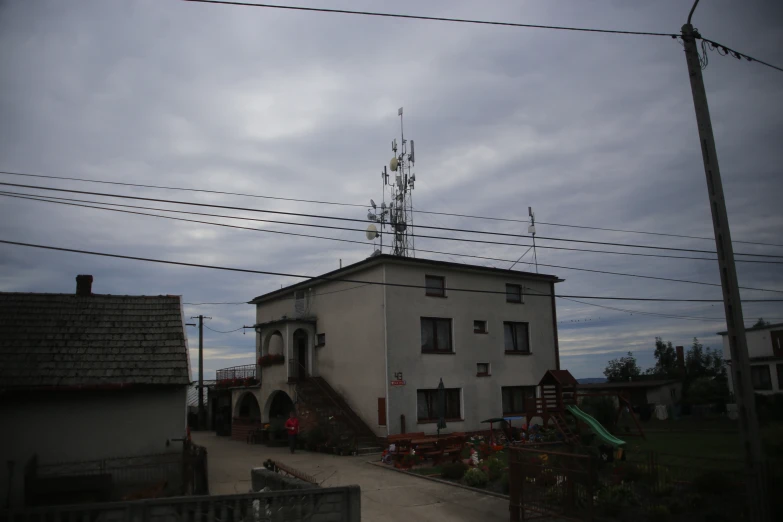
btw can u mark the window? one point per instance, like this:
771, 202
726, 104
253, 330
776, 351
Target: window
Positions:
427, 405
436, 335
513, 293
516, 399
759, 375
479, 327
780, 376
482, 369
435, 286
321, 338
516, 337
673, 393
777, 342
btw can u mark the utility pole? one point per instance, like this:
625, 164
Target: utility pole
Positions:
201, 420
750, 438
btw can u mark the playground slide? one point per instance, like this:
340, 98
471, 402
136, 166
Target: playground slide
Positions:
595, 426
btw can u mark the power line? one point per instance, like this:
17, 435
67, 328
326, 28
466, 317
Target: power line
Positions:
376, 283
222, 332
398, 285
724, 51
321, 202
432, 18
177, 202
606, 272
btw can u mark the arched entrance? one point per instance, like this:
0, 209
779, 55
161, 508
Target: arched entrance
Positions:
278, 406
300, 354
248, 407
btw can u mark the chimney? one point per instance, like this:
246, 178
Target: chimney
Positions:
680, 357
84, 285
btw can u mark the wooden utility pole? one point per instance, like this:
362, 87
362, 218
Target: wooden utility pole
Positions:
201, 419
750, 437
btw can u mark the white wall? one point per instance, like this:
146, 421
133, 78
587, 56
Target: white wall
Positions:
759, 345
352, 361
481, 396
76, 426
663, 394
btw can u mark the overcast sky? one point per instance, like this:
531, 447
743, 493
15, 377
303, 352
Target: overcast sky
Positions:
589, 129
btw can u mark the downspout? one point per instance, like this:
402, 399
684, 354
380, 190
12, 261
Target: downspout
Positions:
386, 351
554, 327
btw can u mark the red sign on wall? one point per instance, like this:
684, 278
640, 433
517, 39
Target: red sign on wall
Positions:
398, 383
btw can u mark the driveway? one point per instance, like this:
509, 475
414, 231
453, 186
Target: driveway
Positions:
386, 496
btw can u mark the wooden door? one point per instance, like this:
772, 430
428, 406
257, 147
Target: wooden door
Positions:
381, 411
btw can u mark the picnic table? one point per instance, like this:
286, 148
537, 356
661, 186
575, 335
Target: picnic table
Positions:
425, 441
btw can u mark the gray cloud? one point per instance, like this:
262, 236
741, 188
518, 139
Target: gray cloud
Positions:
588, 129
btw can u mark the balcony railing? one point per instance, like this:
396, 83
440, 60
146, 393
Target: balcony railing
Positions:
244, 375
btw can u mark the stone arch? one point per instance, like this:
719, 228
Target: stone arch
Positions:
278, 405
274, 343
248, 407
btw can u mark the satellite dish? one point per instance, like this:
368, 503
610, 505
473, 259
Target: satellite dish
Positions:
372, 203
372, 232
531, 229
393, 164
371, 216
383, 206
412, 155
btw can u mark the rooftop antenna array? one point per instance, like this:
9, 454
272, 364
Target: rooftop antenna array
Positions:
398, 215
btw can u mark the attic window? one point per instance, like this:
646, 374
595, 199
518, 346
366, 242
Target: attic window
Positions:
321, 340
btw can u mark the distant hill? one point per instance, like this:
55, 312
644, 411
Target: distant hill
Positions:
592, 380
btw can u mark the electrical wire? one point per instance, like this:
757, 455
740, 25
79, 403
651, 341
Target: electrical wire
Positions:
320, 202
724, 51
337, 218
530, 292
222, 332
362, 243
430, 18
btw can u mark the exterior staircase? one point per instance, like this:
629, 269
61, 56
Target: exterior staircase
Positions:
335, 417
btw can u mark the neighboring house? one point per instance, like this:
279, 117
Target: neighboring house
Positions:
380, 350
86, 377
640, 393
765, 349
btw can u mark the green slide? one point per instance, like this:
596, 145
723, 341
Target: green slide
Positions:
595, 426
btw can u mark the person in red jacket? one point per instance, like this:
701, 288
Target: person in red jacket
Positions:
292, 427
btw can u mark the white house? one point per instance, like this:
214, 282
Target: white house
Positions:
382, 341
765, 349
87, 377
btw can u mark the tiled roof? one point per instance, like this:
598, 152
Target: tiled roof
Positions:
66, 340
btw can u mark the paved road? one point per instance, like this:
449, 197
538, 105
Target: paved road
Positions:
386, 496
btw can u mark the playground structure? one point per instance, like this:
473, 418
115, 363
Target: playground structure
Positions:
559, 396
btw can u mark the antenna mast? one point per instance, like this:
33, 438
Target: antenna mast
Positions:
399, 215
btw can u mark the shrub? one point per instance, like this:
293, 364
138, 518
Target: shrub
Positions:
658, 514
476, 478
713, 483
504, 487
613, 499
453, 470
495, 468
315, 436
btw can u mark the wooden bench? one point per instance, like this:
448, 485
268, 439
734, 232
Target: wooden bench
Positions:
392, 439
453, 447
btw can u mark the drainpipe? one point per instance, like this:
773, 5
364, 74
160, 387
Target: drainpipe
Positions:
386, 351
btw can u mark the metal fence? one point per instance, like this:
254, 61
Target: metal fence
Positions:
647, 486
306, 505
237, 374
104, 479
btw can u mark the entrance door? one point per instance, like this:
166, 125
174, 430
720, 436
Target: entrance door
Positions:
301, 355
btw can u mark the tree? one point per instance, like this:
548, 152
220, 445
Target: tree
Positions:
695, 360
760, 323
665, 359
623, 369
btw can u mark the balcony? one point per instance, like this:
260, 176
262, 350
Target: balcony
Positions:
237, 376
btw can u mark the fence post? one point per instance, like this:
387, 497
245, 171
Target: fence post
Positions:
514, 487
